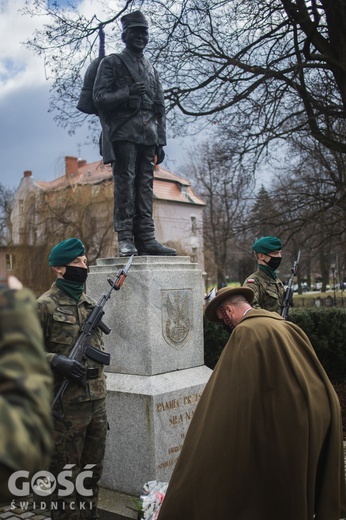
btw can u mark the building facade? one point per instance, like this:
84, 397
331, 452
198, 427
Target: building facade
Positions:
80, 203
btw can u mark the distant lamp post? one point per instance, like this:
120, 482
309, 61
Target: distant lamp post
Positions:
334, 287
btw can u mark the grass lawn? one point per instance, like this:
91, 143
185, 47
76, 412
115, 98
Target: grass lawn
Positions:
320, 299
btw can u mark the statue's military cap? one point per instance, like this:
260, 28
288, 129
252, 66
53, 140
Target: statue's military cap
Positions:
267, 245
134, 19
66, 251
224, 294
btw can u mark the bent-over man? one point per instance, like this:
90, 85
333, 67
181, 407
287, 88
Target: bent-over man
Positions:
266, 438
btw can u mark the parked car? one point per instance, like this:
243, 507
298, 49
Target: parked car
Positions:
317, 286
304, 286
339, 286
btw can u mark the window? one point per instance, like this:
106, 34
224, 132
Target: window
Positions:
10, 262
193, 225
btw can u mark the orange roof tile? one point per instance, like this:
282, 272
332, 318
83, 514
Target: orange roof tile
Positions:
167, 185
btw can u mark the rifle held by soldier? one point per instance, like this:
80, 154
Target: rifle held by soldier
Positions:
288, 300
82, 347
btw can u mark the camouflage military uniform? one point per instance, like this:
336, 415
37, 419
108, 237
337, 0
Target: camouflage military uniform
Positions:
25, 388
80, 438
269, 292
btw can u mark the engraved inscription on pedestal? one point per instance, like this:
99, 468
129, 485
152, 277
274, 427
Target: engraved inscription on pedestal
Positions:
148, 420
174, 417
177, 318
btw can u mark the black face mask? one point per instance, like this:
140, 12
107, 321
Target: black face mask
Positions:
274, 262
76, 274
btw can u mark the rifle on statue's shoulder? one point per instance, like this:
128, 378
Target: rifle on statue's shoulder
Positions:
288, 300
82, 347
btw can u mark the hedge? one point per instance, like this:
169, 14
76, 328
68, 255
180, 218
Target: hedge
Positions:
326, 328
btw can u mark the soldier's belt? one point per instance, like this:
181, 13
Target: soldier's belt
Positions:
92, 372
98, 355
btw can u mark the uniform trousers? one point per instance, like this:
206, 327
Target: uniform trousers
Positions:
79, 441
133, 190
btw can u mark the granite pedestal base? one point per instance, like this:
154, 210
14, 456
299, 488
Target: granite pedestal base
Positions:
157, 375
148, 419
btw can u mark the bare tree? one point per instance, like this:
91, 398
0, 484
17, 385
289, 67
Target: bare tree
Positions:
257, 73
257, 70
224, 190
83, 211
6, 204
306, 206
309, 192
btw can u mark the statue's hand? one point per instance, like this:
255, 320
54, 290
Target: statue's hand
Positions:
137, 89
160, 154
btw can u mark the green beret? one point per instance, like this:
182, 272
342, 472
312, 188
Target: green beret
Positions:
267, 245
66, 251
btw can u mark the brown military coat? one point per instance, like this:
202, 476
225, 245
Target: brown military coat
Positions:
266, 438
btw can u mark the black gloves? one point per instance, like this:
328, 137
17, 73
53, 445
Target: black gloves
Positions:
67, 367
160, 154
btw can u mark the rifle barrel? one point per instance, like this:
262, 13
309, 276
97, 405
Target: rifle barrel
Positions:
289, 292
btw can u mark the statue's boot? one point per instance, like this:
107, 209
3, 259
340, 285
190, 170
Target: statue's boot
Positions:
126, 246
153, 247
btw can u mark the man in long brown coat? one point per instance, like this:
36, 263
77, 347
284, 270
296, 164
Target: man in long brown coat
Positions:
266, 439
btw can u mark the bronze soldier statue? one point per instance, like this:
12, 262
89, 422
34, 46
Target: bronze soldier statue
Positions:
129, 99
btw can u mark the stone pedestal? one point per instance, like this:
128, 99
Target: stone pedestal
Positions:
156, 374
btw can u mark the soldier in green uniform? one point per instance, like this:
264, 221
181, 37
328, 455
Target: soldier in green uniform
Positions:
25, 387
268, 288
80, 438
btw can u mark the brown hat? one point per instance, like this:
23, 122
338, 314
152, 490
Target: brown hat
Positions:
224, 294
134, 19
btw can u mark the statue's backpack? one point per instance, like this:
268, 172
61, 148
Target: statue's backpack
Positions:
85, 102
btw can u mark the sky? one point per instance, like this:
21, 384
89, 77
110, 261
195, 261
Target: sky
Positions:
29, 137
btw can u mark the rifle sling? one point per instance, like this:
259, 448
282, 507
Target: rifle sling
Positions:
134, 75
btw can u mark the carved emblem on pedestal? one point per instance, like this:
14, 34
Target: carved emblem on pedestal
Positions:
176, 311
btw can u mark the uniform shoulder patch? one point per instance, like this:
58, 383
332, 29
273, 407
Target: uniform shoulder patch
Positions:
250, 280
